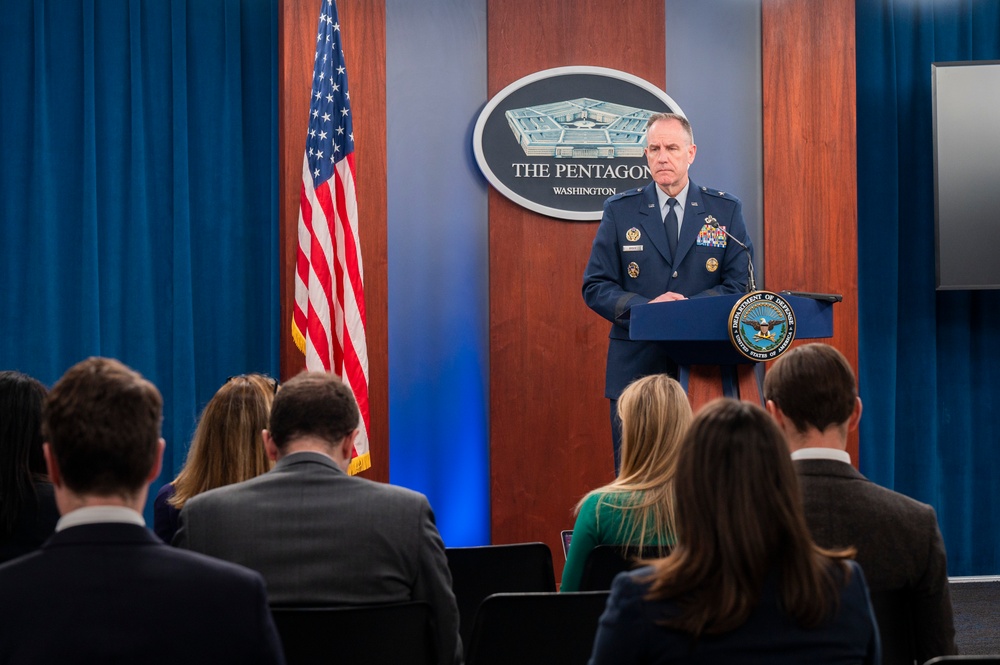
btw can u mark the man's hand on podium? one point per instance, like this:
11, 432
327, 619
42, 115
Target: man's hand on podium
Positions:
669, 296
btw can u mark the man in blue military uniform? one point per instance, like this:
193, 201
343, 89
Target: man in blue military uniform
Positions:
657, 244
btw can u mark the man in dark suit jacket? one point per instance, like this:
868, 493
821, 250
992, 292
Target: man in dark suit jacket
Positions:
638, 257
103, 588
812, 392
318, 535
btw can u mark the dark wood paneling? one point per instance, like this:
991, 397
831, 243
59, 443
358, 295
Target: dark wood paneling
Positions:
363, 30
549, 430
810, 156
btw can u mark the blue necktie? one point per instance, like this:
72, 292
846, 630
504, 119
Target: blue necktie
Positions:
670, 221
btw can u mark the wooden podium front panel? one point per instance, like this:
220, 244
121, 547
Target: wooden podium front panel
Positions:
706, 383
550, 437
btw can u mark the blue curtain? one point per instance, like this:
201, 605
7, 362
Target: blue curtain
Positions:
929, 361
139, 193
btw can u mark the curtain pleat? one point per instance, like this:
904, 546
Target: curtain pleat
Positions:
138, 193
929, 360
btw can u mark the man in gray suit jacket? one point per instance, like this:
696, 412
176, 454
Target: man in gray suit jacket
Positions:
318, 535
812, 392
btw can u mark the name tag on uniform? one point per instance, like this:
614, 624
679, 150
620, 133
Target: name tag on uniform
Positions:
631, 248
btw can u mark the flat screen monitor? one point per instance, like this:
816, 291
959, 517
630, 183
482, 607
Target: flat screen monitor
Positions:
966, 100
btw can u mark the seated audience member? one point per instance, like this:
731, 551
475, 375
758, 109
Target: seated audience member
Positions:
745, 583
28, 511
812, 394
638, 507
227, 447
318, 535
103, 588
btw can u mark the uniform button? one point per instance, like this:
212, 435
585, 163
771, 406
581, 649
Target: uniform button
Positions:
674, 275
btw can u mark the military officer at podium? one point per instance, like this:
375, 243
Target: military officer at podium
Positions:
657, 244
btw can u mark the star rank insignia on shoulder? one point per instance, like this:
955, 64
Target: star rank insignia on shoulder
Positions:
718, 193
627, 193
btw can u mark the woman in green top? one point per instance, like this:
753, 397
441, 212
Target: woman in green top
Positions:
637, 509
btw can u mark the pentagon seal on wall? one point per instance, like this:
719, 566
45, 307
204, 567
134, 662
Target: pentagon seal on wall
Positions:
561, 141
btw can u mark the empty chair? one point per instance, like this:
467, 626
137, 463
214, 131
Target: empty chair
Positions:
959, 660
372, 634
606, 561
536, 628
975, 603
477, 572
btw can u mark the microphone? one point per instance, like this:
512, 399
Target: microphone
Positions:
751, 282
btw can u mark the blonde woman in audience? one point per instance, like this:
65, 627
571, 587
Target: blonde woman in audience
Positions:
637, 509
227, 447
745, 582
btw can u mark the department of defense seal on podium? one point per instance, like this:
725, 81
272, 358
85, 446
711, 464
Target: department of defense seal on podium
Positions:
762, 325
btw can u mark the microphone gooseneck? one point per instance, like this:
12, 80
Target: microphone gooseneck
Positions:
751, 282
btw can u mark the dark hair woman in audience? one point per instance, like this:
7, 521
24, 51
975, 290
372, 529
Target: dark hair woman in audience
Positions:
745, 582
227, 447
637, 508
28, 512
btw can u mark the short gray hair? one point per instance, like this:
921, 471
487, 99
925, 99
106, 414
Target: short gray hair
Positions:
657, 117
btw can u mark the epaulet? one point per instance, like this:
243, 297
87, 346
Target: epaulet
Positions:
626, 193
720, 194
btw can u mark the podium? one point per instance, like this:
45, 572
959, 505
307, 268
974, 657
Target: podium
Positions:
696, 332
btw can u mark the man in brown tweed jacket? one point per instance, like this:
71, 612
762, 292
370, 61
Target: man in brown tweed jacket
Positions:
812, 392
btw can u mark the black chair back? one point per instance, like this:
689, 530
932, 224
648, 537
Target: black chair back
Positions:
895, 626
477, 572
606, 561
536, 628
371, 634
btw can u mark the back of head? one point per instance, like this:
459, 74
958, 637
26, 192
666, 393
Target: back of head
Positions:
227, 446
740, 518
813, 385
655, 414
20, 442
313, 405
102, 423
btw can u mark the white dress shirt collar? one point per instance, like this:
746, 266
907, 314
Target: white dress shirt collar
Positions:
681, 197
99, 514
822, 453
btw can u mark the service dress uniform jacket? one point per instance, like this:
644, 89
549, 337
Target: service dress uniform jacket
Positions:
630, 264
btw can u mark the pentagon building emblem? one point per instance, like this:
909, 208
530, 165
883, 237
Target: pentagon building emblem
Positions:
579, 135
762, 325
582, 128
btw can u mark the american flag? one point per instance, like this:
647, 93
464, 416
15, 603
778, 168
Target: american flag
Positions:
328, 324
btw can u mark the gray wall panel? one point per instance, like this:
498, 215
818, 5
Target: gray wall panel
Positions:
713, 72
437, 254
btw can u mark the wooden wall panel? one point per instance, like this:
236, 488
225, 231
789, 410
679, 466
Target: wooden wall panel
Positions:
549, 431
810, 156
363, 30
